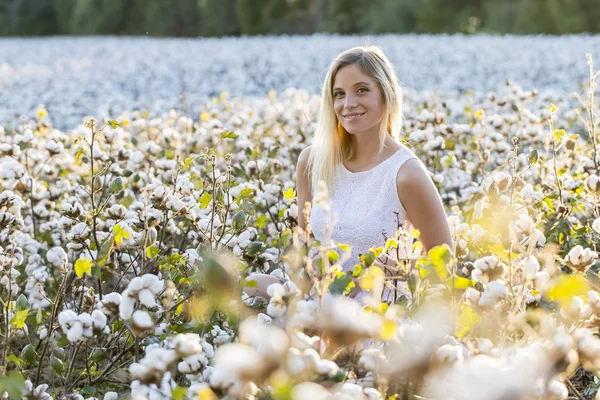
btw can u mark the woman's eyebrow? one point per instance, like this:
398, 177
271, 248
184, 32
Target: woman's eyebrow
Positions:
356, 84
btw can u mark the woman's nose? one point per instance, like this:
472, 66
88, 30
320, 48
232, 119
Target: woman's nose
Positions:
349, 102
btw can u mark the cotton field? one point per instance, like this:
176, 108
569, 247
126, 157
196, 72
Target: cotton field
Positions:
128, 241
76, 77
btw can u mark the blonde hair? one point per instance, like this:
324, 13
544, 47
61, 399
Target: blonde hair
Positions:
332, 144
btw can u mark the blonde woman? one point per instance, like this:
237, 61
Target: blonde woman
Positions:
374, 183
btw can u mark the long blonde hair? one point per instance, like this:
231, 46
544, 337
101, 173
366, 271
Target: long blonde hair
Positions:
332, 144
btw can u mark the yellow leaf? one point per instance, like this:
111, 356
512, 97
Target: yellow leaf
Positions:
120, 233
390, 243
18, 321
552, 108
559, 134
479, 114
370, 278
467, 319
83, 265
377, 251
344, 247
388, 330
204, 116
459, 282
566, 287
415, 233
206, 393
289, 194
41, 112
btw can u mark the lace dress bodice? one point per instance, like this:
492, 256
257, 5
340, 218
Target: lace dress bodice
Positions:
364, 209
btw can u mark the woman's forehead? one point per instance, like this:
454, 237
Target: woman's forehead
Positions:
351, 75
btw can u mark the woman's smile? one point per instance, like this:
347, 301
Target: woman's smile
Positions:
354, 116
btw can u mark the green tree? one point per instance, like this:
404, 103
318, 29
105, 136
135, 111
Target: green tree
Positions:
218, 18
34, 17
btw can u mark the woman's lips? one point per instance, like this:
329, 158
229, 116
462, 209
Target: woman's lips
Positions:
353, 117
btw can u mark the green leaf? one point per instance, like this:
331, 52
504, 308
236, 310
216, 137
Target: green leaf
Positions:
116, 186
22, 303
261, 220
88, 390
14, 359
229, 135
533, 157
205, 200
368, 258
246, 194
105, 250
98, 354
113, 124
254, 248
179, 393
343, 284
57, 365
250, 283
14, 384
18, 321
239, 221
343, 247
83, 266
28, 354
152, 251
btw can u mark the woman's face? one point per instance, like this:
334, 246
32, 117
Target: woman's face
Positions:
357, 101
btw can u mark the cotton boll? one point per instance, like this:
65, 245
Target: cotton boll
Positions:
98, 319
448, 354
530, 267
142, 320
326, 367
147, 298
557, 391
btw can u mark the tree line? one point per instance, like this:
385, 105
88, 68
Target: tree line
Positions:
191, 18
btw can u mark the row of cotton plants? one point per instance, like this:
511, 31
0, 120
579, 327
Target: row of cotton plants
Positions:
102, 76
126, 243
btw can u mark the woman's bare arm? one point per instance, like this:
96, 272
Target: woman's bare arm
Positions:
303, 187
424, 208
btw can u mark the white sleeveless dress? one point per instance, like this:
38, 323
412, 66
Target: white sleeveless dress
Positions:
364, 210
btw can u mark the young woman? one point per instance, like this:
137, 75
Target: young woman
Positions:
375, 185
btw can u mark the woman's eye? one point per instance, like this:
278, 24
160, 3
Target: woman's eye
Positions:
362, 88
337, 94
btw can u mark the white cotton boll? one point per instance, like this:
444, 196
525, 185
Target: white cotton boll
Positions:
493, 293
127, 305
275, 290
57, 256
135, 285
448, 354
372, 394
98, 319
153, 283
187, 344
66, 317
326, 367
138, 370
146, 297
277, 273
42, 332
264, 318
524, 224
290, 288
276, 308
485, 346
295, 364
75, 333
472, 296
353, 390
142, 320
557, 391
485, 264
541, 278
596, 225
530, 267
111, 396
371, 359
311, 356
